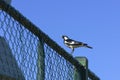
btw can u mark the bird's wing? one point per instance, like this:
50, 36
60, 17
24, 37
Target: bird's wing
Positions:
73, 42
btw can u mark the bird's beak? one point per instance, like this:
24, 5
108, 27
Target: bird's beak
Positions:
62, 36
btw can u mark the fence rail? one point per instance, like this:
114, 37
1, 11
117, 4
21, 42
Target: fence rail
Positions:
36, 54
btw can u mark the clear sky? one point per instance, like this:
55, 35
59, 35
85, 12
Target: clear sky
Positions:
96, 22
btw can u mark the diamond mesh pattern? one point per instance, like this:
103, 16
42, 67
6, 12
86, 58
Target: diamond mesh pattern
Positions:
31, 61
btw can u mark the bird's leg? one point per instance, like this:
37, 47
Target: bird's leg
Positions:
72, 50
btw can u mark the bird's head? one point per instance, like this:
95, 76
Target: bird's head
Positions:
65, 37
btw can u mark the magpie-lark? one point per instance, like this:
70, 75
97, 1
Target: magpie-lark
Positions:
74, 44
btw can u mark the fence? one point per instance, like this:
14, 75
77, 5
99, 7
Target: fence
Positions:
29, 54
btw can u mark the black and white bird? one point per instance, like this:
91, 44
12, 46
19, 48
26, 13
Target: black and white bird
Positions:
74, 44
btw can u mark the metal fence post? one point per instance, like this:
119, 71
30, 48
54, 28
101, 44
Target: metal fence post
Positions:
84, 73
77, 74
41, 61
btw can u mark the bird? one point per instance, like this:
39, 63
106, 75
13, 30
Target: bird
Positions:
73, 43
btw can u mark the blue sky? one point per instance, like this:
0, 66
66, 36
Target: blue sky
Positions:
96, 22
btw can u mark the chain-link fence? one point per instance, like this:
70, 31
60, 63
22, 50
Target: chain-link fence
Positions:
29, 58
26, 53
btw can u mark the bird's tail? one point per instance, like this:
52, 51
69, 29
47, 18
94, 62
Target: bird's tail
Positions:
88, 46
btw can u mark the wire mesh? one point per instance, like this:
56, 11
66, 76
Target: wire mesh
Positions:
57, 66
22, 44
25, 49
